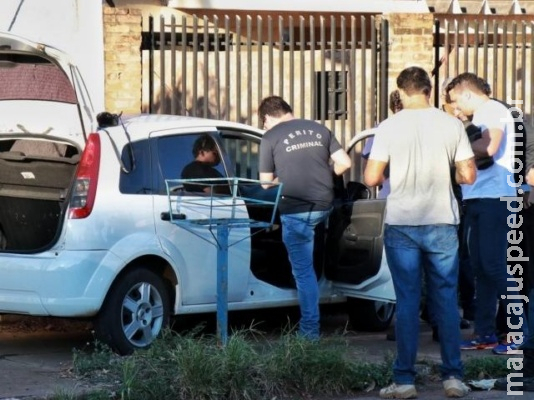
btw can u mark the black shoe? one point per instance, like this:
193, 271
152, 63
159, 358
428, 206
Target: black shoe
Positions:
464, 324
525, 384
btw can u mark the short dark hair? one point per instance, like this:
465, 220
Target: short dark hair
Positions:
204, 143
414, 80
395, 102
471, 81
274, 106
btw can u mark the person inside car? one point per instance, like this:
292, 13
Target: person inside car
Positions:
203, 166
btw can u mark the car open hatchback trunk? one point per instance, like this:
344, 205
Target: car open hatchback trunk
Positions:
45, 117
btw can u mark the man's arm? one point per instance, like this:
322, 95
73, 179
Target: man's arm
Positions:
374, 172
341, 160
466, 171
489, 144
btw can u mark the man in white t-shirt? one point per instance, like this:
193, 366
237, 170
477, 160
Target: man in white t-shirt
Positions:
421, 144
490, 208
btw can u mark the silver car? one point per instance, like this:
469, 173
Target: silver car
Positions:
86, 229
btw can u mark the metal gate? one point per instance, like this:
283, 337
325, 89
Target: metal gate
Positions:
329, 68
497, 48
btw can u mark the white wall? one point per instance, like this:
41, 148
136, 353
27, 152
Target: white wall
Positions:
74, 26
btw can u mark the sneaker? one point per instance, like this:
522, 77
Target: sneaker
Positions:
395, 391
507, 348
455, 388
480, 343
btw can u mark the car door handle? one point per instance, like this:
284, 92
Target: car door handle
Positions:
166, 216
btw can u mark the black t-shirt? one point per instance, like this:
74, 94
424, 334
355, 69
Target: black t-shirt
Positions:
298, 153
197, 170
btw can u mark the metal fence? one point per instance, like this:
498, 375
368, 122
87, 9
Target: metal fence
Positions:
497, 48
329, 68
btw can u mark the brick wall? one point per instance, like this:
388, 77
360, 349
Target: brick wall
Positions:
411, 43
122, 58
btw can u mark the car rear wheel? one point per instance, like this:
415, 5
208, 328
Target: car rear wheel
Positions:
134, 313
370, 315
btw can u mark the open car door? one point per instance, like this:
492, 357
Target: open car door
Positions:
356, 262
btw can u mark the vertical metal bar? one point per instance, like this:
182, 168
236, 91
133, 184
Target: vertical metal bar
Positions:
217, 61
281, 43
437, 43
260, 62
183, 105
523, 86
291, 82
486, 45
151, 65
495, 58
466, 45
446, 48
302, 94
222, 283
351, 109
162, 100
173, 65
238, 68
205, 68
313, 73
322, 81
227, 77
249, 71
271, 55
195, 63
476, 45
343, 89
456, 47
363, 72
383, 70
513, 68
332, 84
374, 66
504, 60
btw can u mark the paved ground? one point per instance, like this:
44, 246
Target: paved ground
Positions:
36, 358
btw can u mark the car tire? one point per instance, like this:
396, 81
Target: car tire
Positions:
134, 313
370, 315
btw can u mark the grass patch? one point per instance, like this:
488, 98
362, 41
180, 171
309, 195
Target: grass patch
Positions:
249, 367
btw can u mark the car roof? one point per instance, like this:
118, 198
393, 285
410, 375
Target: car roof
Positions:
140, 126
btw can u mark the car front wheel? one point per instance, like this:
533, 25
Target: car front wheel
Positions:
370, 315
134, 313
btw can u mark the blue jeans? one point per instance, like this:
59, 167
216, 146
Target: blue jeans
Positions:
298, 234
406, 249
487, 228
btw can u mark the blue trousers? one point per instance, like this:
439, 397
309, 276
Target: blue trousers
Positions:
406, 248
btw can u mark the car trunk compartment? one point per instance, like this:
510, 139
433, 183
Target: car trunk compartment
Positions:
35, 178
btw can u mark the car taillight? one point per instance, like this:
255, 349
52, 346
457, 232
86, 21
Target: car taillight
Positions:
84, 192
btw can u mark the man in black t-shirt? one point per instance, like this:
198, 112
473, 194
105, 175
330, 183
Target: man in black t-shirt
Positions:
302, 155
206, 158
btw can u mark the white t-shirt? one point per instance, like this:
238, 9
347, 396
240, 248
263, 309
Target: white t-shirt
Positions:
421, 146
497, 180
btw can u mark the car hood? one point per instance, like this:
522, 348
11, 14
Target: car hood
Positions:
42, 92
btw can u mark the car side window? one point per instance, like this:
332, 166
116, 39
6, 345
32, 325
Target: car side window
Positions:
173, 153
243, 152
135, 169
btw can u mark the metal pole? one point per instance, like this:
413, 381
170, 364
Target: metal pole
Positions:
222, 283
